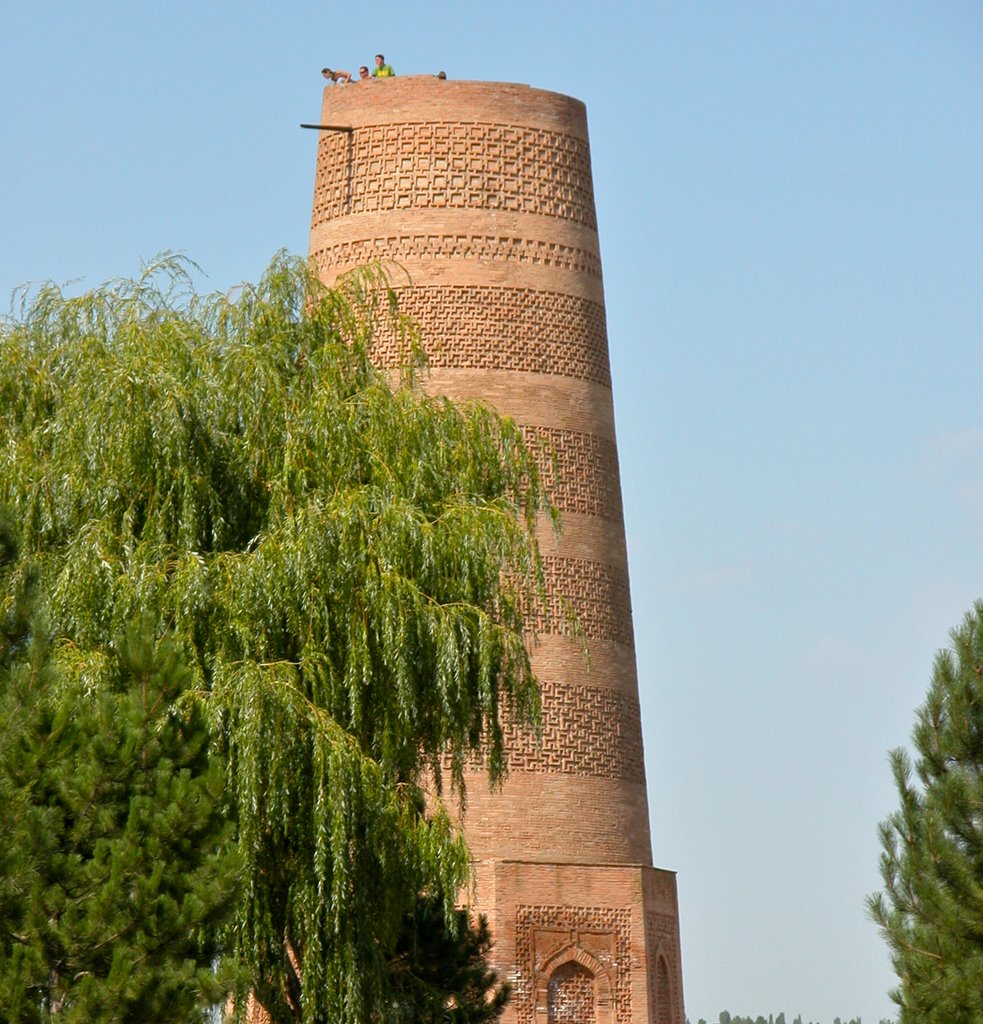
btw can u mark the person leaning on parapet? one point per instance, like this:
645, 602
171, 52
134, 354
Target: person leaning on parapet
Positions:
363, 74
382, 69
343, 77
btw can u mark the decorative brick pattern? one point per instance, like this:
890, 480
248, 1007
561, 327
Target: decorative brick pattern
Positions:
395, 248
586, 731
602, 932
596, 593
583, 476
474, 327
663, 968
442, 165
571, 997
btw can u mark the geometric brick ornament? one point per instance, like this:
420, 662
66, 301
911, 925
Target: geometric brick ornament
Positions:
481, 195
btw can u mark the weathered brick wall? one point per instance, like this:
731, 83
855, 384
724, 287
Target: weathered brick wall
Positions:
480, 197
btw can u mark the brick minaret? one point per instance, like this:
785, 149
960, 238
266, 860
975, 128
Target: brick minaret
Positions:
482, 195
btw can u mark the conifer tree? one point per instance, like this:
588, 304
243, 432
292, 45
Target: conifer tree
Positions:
116, 867
441, 970
343, 562
931, 909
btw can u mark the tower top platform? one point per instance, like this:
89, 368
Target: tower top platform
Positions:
428, 98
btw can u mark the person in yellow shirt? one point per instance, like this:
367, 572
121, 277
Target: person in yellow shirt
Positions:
382, 69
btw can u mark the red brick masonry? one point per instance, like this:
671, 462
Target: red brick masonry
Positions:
481, 195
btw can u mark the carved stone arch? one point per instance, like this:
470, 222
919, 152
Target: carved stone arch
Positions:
567, 964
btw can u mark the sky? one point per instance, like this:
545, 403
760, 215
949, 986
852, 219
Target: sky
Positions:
791, 227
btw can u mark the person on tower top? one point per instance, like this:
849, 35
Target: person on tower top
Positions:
344, 77
382, 69
363, 74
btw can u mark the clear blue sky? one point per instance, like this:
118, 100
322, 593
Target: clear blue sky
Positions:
792, 232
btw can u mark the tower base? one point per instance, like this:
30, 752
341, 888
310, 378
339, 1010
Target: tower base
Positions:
583, 943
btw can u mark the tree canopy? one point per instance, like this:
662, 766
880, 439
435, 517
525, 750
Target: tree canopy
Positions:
931, 909
441, 972
117, 869
341, 562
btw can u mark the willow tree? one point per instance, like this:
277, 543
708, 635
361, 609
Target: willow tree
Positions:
342, 561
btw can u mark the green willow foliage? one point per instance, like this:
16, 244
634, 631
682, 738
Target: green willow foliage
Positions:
343, 563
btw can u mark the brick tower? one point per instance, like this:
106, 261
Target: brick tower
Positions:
482, 195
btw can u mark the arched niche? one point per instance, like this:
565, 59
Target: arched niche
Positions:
662, 994
573, 987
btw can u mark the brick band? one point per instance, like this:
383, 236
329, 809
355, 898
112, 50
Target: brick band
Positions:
580, 471
596, 593
395, 248
454, 165
587, 730
474, 327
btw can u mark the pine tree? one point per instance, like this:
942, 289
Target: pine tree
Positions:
345, 564
441, 972
116, 866
931, 909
